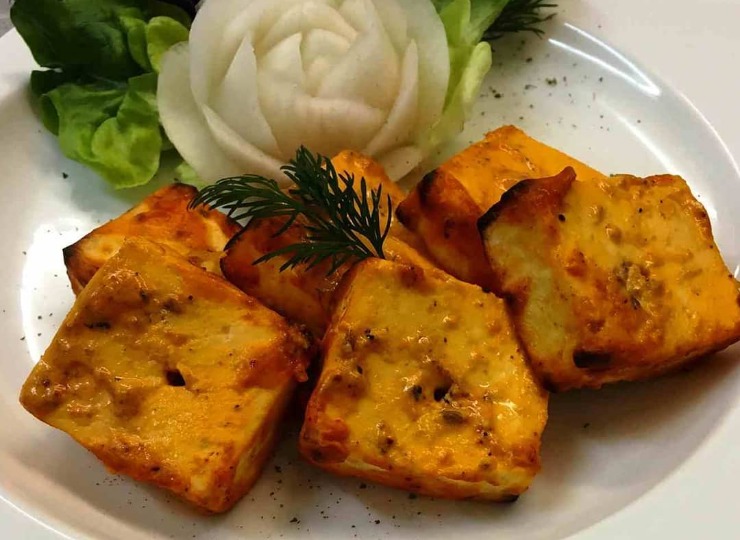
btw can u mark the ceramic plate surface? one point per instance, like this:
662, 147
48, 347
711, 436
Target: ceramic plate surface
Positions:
646, 460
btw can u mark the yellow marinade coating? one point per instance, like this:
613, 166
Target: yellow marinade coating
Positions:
424, 387
443, 209
613, 280
199, 235
170, 375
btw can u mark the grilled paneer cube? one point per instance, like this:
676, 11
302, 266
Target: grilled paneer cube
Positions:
303, 295
445, 206
200, 235
424, 387
608, 281
170, 375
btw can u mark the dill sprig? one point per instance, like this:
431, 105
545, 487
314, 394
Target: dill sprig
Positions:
341, 222
520, 16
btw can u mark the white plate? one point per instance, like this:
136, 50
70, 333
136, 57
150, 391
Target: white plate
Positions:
647, 460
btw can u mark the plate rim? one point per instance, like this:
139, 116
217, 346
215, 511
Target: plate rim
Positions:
658, 511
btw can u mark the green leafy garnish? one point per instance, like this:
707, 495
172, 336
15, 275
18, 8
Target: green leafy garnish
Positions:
470, 25
520, 16
492, 19
113, 129
342, 223
465, 21
99, 97
84, 36
161, 34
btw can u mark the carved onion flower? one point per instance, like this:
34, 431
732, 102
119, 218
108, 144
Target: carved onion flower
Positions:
259, 78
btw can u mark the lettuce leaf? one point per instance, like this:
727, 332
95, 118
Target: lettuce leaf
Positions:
136, 40
161, 34
482, 14
461, 99
148, 41
185, 173
465, 22
113, 129
84, 36
99, 97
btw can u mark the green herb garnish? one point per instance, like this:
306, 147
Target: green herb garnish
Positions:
475, 20
342, 223
98, 95
520, 16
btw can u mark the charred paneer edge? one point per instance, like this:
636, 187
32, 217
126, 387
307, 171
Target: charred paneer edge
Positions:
424, 387
613, 280
169, 374
300, 294
199, 235
445, 206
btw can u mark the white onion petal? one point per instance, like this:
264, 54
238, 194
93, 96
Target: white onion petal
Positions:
237, 103
400, 122
241, 152
394, 22
317, 123
369, 70
320, 50
181, 118
303, 17
211, 45
426, 28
